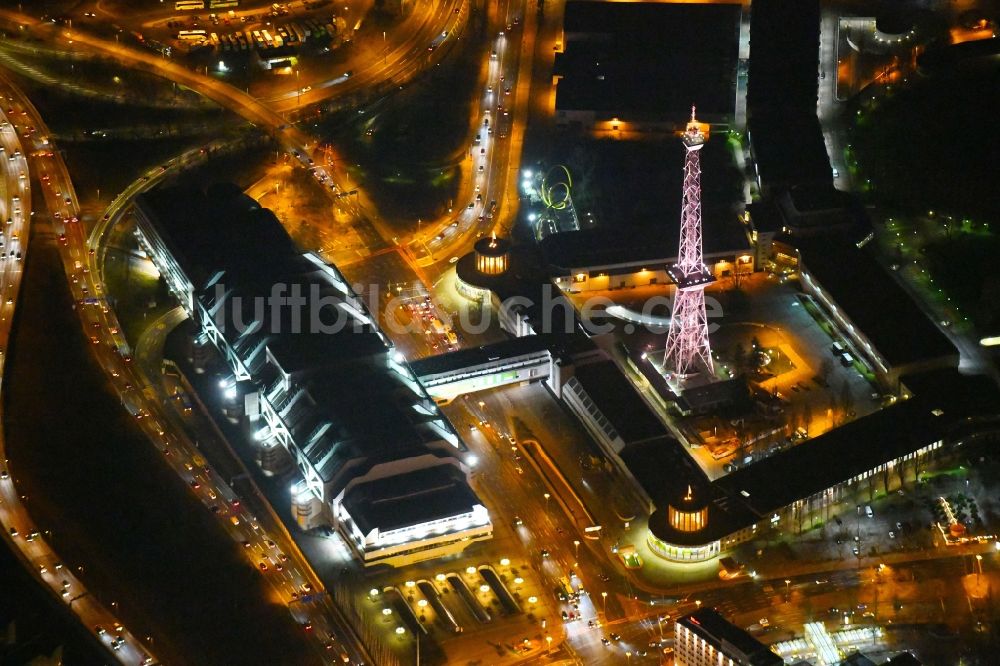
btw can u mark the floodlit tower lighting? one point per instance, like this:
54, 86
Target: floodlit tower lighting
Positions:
688, 350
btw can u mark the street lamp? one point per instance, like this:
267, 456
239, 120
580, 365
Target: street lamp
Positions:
979, 567
546, 496
659, 624
604, 604
576, 545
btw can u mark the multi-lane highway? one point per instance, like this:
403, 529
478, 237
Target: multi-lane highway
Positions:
267, 546
379, 60
15, 205
492, 162
292, 139
383, 64
495, 149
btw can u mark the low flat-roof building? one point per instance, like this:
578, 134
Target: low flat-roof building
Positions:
615, 258
394, 514
883, 324
705, 638
318, 377
791, 487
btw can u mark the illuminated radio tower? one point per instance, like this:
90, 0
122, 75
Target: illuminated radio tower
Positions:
688, 351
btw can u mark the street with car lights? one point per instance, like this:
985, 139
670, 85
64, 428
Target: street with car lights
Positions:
563, 513
32, 544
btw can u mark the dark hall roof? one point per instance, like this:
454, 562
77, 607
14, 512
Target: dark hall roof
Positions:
610, 64
607, 246
409, 499
874, 301
834, 457
617, 399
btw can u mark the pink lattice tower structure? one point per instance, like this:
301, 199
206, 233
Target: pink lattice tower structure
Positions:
688, 351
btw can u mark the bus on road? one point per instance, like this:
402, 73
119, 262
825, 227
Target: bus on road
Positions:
192, 35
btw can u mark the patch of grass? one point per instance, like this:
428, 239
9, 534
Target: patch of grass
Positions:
419, 137
967, 269
638, 183
931, 144
138, 297
111, 166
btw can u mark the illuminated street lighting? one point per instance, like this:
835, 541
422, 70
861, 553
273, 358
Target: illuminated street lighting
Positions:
659, 624
505, 562
604, 603
470, 570
576, 545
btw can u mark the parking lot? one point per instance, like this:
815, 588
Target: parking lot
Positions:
801, 387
